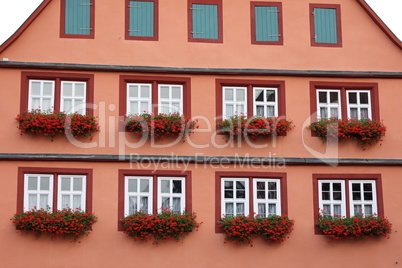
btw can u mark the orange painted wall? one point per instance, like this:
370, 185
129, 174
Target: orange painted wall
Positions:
365, 46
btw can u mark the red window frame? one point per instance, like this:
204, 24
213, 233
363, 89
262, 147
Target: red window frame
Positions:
156, 22
55, 172
343, 88
57, 77
338, 25
154, 174
250, 175
346, 177
190, 20
63, 23
253, 23
155, 81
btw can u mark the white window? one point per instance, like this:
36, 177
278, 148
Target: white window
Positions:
234, 101
73, 96
235, 197
358, 104
170, 99
138, 194
139, 98
362, 197
171, 194
329, 104
265, 102
39, 192
71, 192
41, 95
332, 198
267, 197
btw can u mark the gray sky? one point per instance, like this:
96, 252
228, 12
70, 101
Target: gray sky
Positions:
14, 12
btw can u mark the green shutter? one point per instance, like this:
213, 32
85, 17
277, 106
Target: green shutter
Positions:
325, 25
78, 17
266, 23
205, 21
141, 19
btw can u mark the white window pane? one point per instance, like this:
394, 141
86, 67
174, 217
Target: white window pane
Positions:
65, 184
165, 186
259, 95
65, 201
368, 210
270, 111
260, 111
229, 110
133, 91
354, 113
176, 205
323, 112
80, 89
67, 89
33, 199
262, 210
271, 95
44, 183
364, 113
176, 92
67, 105
76, 202
46, 104
164, 92
35, 88
144, 107
352, 97
177, 187
77, 184
43, 201
134, 108
229, 209
272, 209
327, 210
364, 98
240, 94
240, 109
144, 204
164, 109
47, 89
334, 112
132, 204
165, 203
228, 94
357, 210
144, 186
32, 183
132, 185
239, 209
35, 103
333, 97
337, 210
145, 91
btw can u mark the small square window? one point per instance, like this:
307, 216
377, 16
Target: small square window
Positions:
142, 20
266, 23
325, 21
77, 19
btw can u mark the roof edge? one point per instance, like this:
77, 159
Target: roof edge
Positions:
25, 25
377, 20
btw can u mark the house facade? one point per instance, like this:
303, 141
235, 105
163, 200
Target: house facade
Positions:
208, 60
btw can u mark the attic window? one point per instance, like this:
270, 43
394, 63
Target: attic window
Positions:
325, 27
77, 19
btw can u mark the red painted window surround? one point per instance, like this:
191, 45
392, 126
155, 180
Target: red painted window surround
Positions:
57, 77
253, 23
63, 23
55, 172
220, 83
155, 174
250, 175
338, 25
155, 80
343, 87
346, 178
190, 20
156, 22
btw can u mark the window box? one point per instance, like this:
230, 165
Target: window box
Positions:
242, 229
66, 222
366, 132
50, 124
254, 127
160, 227
357, 227
160, 126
